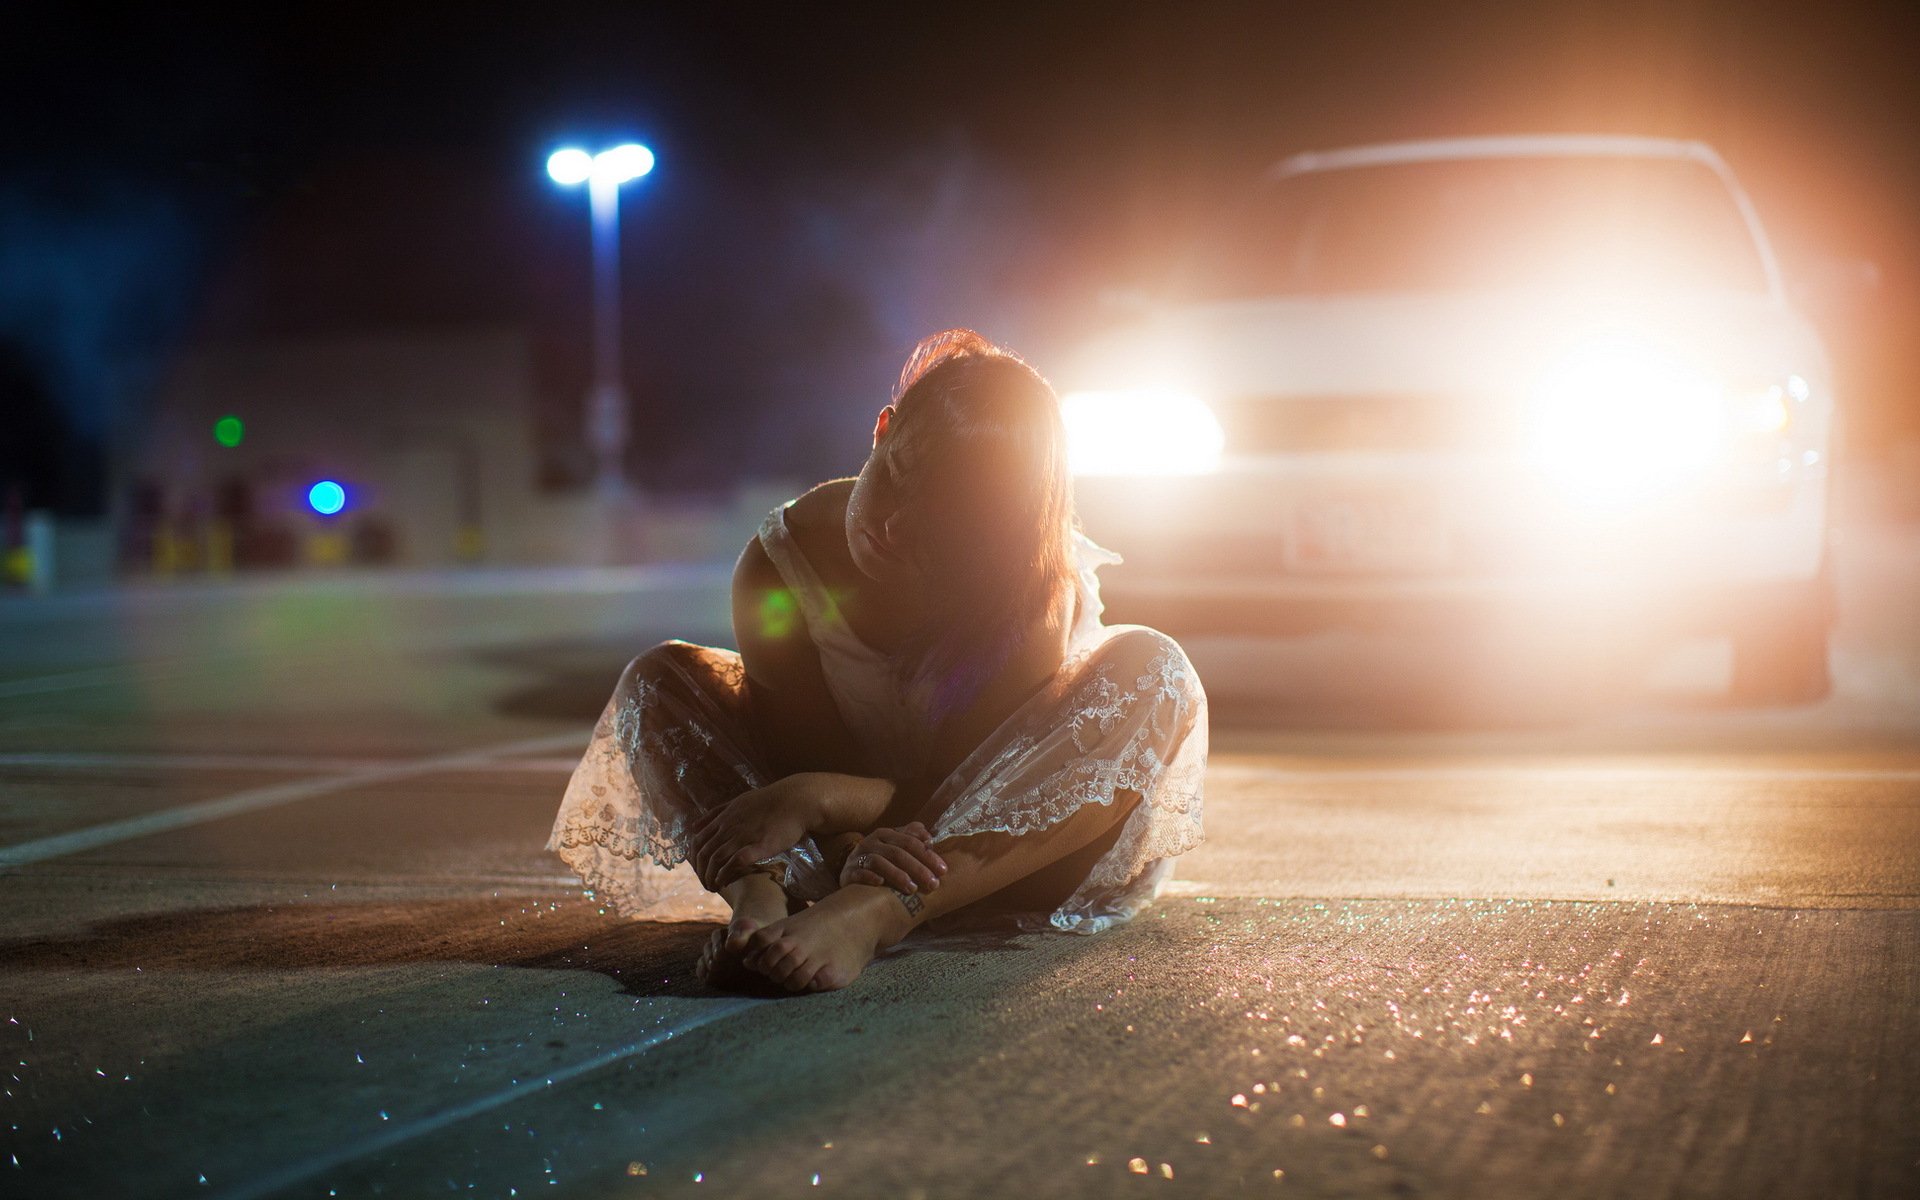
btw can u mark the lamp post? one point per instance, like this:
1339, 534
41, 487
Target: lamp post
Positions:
603, 173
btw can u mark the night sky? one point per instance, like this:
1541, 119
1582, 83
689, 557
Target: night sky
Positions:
830, 186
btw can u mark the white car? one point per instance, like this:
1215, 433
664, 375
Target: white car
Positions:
1470, 381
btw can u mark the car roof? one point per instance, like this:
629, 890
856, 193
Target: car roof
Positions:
1507, 146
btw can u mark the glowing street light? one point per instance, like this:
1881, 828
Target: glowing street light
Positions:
603, 173
570, 166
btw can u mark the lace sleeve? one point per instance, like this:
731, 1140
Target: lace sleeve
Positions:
1130, 716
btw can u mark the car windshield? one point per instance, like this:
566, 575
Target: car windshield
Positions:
1529, 223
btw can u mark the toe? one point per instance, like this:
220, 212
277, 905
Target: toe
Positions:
709, 955
836, 975
760, 941
785, 965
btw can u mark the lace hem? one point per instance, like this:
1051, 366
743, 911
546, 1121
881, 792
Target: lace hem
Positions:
1134, 722
1126, 715
671, 744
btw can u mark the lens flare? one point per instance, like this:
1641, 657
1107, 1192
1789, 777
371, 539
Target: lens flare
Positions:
779, 613
1765, 412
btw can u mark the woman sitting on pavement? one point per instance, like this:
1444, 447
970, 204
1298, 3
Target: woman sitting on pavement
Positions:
926, 713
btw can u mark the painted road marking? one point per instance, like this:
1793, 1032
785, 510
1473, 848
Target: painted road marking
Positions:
1237, 772
299, 1173
381, 583
1219, 770
89, 677
252, 799
252, 762
351, 773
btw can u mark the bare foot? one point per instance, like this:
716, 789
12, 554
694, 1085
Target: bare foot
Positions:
829, 944
757, 901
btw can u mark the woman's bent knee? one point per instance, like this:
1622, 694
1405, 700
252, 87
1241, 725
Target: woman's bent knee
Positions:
659, 664
1137, 654
1136, 646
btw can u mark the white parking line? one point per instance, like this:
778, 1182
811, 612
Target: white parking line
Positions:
251, 799
67, 680
248, 762
288, 1177
1219, 770
1238, 772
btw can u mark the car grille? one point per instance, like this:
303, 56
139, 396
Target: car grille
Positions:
1359, 424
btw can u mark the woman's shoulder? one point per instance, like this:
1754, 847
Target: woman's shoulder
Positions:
817, 522
815, 525
821, 507
804, 518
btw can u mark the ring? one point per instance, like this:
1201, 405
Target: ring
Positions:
860, 861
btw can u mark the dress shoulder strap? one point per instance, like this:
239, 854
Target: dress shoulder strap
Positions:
817, 605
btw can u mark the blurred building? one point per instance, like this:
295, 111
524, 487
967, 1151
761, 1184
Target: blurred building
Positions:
428, 437
433, 440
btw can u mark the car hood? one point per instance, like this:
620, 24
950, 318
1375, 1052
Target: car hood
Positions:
1453, 343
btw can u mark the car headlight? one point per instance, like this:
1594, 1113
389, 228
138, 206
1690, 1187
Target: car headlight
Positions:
1140, 432
1764, 411
1621, 419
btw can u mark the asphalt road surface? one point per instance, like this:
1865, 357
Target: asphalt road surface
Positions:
278, 922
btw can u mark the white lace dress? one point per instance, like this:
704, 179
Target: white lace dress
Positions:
1125, 713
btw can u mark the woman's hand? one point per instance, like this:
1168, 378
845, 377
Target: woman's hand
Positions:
901, 858
726, 843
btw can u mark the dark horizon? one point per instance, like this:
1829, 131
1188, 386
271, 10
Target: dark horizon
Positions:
828, 189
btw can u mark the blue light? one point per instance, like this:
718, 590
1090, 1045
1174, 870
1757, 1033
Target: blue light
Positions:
327, 497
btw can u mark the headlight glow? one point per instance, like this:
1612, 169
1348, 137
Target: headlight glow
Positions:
1140, 432
1764, 412
1620, 419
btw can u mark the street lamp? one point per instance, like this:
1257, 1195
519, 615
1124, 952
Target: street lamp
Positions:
603, 173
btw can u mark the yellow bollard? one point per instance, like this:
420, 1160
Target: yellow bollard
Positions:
220, 547
18, 566
165, 559
470, 545
326, 548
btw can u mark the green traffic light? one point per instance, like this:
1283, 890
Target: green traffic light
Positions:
228, 431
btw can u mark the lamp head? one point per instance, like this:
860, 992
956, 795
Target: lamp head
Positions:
570, 166
622, 163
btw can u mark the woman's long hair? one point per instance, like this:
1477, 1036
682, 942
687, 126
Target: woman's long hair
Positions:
989, 475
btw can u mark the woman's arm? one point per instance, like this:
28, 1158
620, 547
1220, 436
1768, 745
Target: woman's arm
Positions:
792, 711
